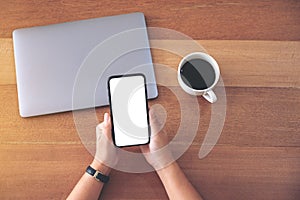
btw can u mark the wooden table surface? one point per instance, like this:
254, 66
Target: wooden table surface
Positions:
258, 154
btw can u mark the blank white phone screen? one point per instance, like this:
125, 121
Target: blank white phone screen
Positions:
129, 111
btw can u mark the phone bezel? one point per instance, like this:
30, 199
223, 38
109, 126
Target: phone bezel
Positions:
111, 113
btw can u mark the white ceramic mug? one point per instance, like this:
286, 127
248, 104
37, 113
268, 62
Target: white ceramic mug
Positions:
207, 93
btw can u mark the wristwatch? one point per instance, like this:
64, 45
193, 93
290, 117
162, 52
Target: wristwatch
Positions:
97, 174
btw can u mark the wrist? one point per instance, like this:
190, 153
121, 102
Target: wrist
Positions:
99, 166
171, 167
160, 159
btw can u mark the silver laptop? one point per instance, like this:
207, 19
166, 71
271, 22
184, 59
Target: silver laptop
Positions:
66, 66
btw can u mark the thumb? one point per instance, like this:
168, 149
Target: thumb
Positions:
107, 126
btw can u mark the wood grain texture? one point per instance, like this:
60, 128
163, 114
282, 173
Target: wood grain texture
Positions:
256, 113
242, 63
258, 153
258, 150
229, 172
200, 19
7, 69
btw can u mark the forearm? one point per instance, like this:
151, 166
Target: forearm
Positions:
88, 187
176, 183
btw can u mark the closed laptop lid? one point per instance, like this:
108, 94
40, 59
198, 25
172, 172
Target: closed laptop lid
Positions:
66, 66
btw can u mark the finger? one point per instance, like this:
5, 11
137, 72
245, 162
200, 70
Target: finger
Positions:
154, 123
144, 148
99, 129
105, 119
107, 126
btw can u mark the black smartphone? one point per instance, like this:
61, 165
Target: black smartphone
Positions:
129, 110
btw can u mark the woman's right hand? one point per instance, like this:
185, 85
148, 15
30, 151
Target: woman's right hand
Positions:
157, 152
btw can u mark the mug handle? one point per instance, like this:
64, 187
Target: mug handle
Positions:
210, 96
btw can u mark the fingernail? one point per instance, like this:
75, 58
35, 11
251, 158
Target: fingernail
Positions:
105, 118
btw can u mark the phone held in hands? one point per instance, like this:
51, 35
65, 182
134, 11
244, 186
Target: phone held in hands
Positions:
129, 110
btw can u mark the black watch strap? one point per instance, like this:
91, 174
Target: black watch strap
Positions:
97, 174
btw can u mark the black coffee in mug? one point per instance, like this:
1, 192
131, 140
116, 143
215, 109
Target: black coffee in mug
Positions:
197, 74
